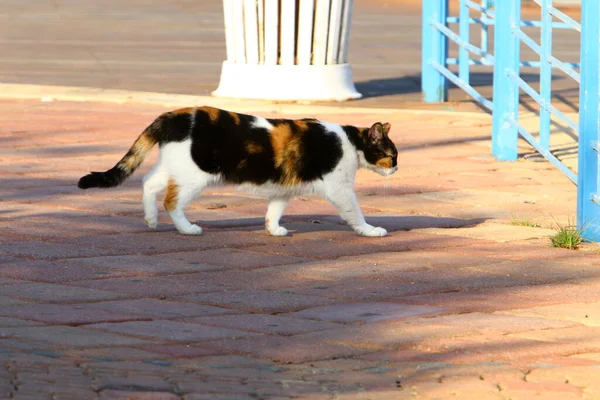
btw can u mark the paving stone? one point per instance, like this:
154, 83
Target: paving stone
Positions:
138, 395
338, 270
258, 300
486, 300
429, 258
45, 250
7, 301
547, 271
19, 344
71, 314
7, 321
62, 271
367, 290
512, 251
365, 312
269, 278
264, 323
286, 349
351, 244
573, 334
140, 264
159, 309
583, 313
170, 330
168, 241
500, 348
488, 323
176, 285
6, 281
183, 351
52, 293
235, 258
71, 336
389, 335
118, 353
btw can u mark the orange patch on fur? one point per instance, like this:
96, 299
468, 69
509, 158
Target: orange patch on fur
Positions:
186, 110
242, 164
287, 150
213, 113
384, 162
235, 117
253, 148
171, 195
138, 151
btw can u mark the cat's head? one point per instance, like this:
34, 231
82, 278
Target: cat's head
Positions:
379, 153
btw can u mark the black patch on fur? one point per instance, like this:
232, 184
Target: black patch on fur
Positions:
174, 127
355, 136
111, 178
221, 147
321, 152
372, 152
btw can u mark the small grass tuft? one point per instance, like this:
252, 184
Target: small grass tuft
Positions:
525, 222
567, 237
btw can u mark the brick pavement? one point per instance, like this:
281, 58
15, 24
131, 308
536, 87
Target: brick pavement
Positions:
456, 303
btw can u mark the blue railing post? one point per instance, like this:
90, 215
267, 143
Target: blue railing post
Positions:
464, 31
545, 75
434, 51
588, 209
506, 91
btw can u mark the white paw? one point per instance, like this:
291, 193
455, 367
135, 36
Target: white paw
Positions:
152, 222
192, 230
372, 231
279, 231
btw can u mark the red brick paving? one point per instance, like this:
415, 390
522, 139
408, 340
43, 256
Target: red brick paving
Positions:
95, 305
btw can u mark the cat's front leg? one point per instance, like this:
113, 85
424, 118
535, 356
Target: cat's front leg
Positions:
346, 204
274, 212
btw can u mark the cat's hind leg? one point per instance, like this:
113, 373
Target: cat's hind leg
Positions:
345, 202
274, 212
154, 183
178, 196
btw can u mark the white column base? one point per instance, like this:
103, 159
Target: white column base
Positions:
287, 82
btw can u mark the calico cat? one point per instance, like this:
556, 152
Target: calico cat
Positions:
279, 158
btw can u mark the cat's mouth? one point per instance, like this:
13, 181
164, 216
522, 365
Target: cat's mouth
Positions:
386, 171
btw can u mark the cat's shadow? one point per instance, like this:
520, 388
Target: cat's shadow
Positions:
329, 222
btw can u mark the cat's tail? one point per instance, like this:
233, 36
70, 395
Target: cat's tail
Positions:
128, 164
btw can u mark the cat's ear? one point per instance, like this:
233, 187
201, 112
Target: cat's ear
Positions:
386, 128
376, 133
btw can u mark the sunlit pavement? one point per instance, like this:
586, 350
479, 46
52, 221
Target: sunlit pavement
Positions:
457, 301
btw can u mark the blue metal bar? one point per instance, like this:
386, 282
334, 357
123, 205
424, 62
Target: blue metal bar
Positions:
545, 105
464, 86
482, 8
435, 50
465, 34
491, 22
545, 74
483, 61
544, 152
588, 209
485, 41
564, 67
506, 92
570, 22
458, 40
489, 60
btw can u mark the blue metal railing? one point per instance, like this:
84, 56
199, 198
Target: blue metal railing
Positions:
505, 16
